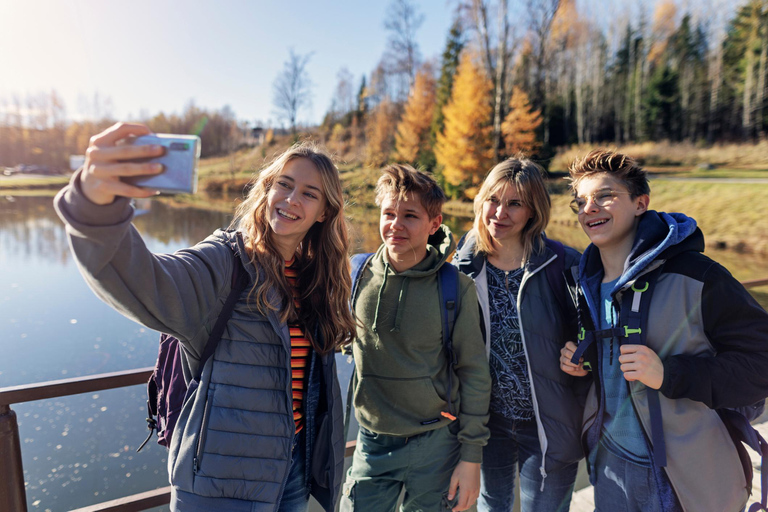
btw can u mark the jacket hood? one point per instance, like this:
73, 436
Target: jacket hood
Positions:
659, 235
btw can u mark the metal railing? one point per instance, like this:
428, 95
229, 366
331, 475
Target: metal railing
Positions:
12, 494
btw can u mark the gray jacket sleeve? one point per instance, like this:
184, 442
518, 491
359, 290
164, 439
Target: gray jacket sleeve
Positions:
174, 293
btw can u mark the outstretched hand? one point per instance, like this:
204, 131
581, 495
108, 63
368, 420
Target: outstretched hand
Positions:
106, 162
566, 353
465, 478
639, 362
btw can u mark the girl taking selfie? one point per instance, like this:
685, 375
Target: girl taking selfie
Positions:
262, 430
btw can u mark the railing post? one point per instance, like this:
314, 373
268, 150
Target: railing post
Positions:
12, 494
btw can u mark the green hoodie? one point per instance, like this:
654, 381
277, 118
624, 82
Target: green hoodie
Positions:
401, 374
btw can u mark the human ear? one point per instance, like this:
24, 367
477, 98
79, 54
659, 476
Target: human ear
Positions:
642, 204
435, 224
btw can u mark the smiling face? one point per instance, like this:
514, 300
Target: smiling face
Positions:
294, 203
405, 228
505, 215
611, 227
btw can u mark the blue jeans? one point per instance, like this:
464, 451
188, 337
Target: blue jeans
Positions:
623, 486
295, 496
512, 445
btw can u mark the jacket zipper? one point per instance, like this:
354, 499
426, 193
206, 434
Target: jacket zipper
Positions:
277, 327
543, 441
203, 431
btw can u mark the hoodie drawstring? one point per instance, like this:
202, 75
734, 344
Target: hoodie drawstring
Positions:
400, 305
378, 298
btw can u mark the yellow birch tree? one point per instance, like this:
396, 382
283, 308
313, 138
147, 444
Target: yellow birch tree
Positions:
463, 149
412, 137
519, 127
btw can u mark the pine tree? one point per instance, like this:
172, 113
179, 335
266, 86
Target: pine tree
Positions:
450, 62
412, 137
464, 148
519, 127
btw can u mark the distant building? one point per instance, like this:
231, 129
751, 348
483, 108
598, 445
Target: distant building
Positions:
257, 134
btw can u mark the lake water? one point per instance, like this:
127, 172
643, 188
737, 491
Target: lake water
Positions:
80, 450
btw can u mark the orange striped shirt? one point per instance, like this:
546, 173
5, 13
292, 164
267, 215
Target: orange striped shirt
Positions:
300, 347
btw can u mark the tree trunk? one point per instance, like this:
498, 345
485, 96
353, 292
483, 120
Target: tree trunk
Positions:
759, 101
714, 93
501, 71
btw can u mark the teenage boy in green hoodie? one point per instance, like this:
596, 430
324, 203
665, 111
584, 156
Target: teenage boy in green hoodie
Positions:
408, 438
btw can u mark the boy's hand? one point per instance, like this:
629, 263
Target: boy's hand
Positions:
566, 353
639, 362
466, 477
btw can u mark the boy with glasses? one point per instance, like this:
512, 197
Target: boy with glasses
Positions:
653, 437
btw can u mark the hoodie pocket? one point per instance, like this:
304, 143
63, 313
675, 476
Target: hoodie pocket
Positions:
398, 405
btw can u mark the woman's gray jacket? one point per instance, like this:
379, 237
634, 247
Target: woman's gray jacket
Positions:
558, 399
237, 427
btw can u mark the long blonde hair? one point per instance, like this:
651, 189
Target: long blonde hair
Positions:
324, 278
527, 178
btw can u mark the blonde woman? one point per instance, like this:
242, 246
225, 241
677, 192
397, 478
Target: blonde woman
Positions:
535, 414
262, 430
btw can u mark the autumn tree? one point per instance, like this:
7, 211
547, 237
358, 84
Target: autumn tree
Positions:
495, 57
379, 133
412, 137
464, 149
520, 125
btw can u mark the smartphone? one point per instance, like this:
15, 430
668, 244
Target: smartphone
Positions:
180, 160
447, 504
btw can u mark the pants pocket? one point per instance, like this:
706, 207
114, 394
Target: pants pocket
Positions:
347, 502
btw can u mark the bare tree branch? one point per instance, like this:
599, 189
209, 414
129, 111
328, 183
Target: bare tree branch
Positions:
292, 89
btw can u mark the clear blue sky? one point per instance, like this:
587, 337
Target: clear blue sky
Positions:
155, 56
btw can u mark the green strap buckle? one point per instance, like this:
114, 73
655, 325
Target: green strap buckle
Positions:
587, 366
582, 334
628, 331
639, 291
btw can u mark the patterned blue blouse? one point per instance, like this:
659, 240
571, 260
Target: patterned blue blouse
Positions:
511, 391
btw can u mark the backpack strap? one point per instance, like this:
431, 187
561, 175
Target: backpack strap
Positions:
357, 263
632, 329
739, 426
239, 282
633, 320
448, 277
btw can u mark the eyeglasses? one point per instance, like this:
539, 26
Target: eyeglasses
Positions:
601, 198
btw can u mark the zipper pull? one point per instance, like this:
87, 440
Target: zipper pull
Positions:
194, 464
